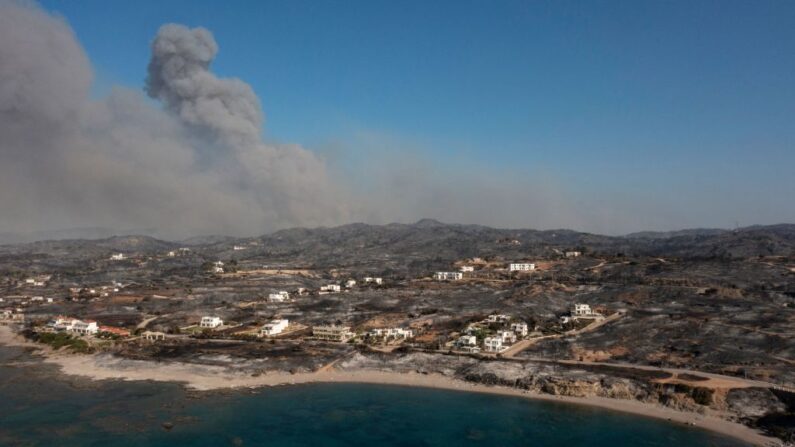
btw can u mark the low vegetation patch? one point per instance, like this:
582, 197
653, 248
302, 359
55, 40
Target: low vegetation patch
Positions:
60, 340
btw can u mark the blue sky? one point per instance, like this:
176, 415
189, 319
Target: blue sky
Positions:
685, 108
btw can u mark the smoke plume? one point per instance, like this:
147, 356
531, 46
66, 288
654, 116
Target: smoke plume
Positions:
198, 166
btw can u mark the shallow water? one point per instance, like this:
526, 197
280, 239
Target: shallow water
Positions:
39, 408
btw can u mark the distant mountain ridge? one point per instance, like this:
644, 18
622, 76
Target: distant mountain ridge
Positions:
429, 238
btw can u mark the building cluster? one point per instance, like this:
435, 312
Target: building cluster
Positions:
38, 281
507, 333
178, 252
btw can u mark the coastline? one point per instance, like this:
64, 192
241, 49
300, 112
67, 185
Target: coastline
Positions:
209, 378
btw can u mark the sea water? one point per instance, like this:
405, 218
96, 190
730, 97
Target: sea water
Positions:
39, 407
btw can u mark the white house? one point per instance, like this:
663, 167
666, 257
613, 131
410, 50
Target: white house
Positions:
507, 337
522, 267
492, 344
84, 327
350, 283
520, 328
467, 268
582, 310
448, 276
330, 288
467, 340
35, 282
273, 327
211, 322
497, 318
579, 311
118, 257
368, 280
467, 343
396, 332
332, 332
70, 324
62, 323
279, 297
238, 248
573, 254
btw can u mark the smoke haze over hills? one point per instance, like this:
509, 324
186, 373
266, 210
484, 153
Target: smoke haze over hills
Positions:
197, 163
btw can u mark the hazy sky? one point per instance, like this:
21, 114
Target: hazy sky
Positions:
618, 116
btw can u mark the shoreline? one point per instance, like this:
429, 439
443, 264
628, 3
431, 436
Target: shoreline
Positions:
208, 378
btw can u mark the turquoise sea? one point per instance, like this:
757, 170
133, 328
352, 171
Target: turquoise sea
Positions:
39, 408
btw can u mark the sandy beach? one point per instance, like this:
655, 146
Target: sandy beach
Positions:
206, 378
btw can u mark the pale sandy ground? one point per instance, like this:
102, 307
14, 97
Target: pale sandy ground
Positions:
205, 377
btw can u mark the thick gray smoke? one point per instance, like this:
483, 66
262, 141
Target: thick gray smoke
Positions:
198, 167
179, 76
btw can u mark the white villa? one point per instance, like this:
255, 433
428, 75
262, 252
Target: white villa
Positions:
84, 327
467, 340
522, 267
330, 288
492, 344
397, 333
118, 257
279, 297
332, 332
238, 248
467, 268
350, 283
520, 328
507, 337
581, 311
211, 322
70, 324
369, 279
273, 327
467, 343
448, 276
573, 254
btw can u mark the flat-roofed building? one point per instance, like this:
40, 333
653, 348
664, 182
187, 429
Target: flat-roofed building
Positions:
522, 267
332, 332
273, 327
448, 276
